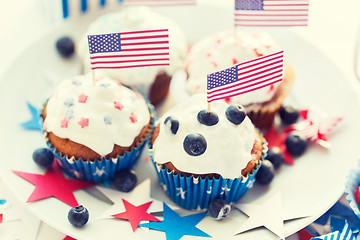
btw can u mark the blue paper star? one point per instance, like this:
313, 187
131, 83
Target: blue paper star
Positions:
35, 122
175, 226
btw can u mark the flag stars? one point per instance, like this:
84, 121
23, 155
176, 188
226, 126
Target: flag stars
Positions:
84, 122
83, 98
118, 105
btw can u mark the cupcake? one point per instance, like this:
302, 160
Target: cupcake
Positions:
225, 49
201, 156
96, 128
152, 81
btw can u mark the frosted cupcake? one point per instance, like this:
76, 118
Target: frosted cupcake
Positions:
200, 156
95, 129
225, 49
153, 82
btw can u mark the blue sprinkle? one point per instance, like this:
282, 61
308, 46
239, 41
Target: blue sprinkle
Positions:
69, 114
105, 85
69, 102
107, 120
76, 82
2, 201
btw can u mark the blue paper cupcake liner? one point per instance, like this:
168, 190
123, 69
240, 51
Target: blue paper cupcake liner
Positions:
102, 170
352, 182
197, 193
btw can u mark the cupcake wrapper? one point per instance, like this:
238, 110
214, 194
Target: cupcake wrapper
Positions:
197, 193
352, 182
101, 170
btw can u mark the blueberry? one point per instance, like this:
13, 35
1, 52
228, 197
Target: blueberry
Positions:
266, 173
43, 157
235, 114
125, 180
219, 209
289, 115
65, 46
78, 216
195, 144
296, 144
172, 124
275, 156
207, 118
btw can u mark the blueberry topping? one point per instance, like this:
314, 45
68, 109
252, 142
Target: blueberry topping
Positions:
172, 124
78, 216
296, 144
195, 144
235, 114
65, 47
219, 209
43, 157
275, 156
289, 115
266, 173
207, 118
125, 180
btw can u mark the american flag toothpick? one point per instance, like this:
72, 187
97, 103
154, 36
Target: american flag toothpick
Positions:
271, 13
129, 49
245, 77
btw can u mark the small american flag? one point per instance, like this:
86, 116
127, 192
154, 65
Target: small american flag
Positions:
245, 77
129, 49
283, 13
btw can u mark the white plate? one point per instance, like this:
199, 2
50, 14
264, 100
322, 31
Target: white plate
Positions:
312, 185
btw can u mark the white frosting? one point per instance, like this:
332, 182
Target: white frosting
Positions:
228, 146
133, 19
223, 50
78, 98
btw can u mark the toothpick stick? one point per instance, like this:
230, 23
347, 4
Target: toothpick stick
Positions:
208, 108
93, 76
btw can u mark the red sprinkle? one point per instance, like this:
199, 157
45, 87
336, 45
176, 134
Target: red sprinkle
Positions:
118, 105
133, 118
214, 63
228, 100
208, 54
82, 98
64, 123
257, 53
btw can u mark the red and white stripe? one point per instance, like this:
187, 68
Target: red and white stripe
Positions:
252, 75
283, 13
138, 49
156, 3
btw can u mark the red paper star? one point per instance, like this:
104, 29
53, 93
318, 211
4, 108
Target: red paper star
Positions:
82, 98
53, 184
136, 214
275, 139
69, 238
304, 234
1, 218
118, 105
84, 122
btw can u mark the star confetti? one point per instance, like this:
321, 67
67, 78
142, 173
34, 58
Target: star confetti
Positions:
136, 214
276, 139
270, 214
53, 184
84, 122
35, 122
175, 226
315, 125
83, 98
137, 196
